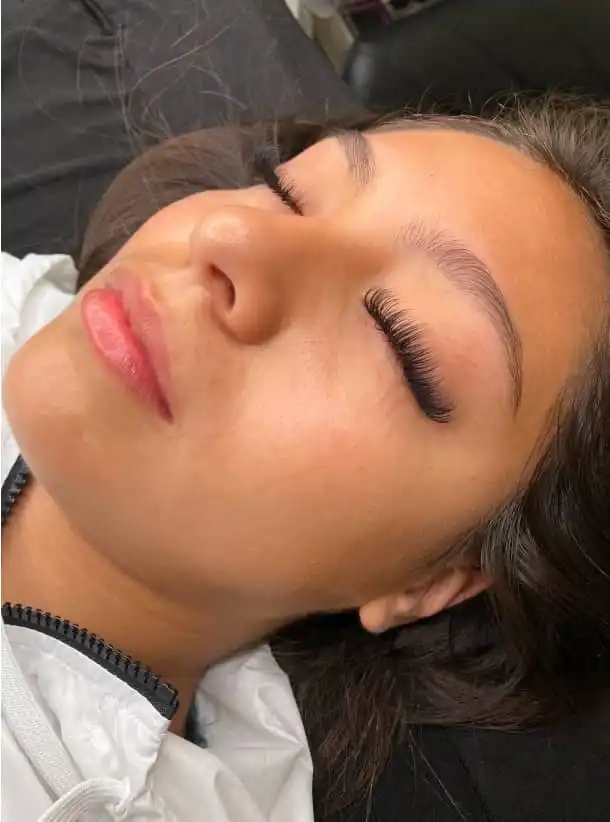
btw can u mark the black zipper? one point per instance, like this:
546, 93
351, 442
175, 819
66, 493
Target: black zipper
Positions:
14, 484
158, 692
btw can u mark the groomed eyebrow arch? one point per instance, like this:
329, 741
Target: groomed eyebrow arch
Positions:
467, 271
359, 156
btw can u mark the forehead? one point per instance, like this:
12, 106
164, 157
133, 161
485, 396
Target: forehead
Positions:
472, 180
520, 216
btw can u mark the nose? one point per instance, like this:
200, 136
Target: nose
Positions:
261, 267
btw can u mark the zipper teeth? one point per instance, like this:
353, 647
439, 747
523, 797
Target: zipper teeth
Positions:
160, 693
16, 485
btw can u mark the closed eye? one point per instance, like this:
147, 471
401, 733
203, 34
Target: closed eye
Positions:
415, 359
266, 163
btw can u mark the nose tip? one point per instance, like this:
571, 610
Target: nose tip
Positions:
227, 225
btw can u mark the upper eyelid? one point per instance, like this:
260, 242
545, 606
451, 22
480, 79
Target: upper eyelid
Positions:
267, 165
299, 202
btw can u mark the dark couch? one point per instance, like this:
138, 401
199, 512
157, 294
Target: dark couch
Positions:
459, 54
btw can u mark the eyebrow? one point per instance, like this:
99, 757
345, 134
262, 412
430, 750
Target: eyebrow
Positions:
458, 263
359, 156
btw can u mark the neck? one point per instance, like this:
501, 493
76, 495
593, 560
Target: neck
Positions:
47, 565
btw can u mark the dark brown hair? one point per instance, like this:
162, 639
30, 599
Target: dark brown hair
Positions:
538, 644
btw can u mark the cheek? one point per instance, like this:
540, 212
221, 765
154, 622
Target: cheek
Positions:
290, 478
288, 445
301, 485
356, 491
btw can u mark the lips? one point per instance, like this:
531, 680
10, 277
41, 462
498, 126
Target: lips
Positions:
126, 331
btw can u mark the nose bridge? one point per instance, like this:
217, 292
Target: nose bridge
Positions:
266, 240
277, 263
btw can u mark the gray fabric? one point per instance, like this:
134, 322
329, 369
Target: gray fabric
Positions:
87, 83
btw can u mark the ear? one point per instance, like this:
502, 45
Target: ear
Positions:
454, 585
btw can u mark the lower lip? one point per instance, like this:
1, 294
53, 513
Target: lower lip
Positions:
107, 325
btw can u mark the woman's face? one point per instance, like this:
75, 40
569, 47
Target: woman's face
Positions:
301, 466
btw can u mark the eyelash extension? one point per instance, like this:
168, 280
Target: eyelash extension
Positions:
265, 163
405, 339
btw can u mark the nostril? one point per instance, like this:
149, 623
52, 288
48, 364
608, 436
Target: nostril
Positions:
221, 288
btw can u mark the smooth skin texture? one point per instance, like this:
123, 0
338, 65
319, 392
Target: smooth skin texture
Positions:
299, 475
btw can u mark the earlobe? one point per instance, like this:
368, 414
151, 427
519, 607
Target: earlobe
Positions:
455, 585
388, 612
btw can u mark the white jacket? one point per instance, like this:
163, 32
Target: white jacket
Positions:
83, 740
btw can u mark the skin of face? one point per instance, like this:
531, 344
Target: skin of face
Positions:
299, 473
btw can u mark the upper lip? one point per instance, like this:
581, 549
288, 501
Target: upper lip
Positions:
146, 325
